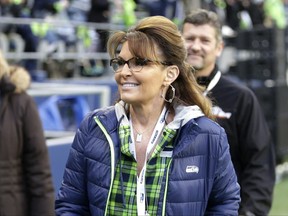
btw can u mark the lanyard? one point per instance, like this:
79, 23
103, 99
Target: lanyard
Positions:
212, 83
141, 192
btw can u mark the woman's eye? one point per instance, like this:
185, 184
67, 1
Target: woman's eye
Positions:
140, 62
120, 63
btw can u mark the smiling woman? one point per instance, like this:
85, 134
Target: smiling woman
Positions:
136, 157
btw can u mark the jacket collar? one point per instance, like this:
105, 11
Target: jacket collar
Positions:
6, 86
17, 80
205, 80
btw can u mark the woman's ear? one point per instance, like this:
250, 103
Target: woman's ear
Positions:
171, 74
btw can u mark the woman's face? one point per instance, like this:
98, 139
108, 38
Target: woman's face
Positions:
142, 87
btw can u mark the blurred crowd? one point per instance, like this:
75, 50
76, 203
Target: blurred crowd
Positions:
248, 14
235, 14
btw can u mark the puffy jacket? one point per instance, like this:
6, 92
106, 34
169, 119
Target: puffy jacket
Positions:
26, 187
212, 188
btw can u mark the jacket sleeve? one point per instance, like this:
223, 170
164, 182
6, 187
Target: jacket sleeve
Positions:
257, 177
36, 163
225, 195
72, 197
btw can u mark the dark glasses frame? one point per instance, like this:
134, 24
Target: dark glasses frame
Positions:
118, 63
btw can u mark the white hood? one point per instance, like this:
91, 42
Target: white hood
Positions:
185, 113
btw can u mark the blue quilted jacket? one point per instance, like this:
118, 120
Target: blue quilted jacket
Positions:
210, 188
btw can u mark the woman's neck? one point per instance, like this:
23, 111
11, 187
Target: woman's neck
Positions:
145, 116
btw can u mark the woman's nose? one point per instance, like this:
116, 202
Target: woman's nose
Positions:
126, 70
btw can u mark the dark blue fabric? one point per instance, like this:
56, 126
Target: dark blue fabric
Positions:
213, 190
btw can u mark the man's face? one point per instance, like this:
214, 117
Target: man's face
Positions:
202, 47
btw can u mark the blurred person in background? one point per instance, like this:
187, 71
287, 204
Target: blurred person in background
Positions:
99, 12
246, 14
237, 110
21, 9
26, 187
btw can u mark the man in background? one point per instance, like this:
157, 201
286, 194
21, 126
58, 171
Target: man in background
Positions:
237, 111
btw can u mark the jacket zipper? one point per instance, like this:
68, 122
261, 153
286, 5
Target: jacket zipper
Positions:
166, 188
98, 122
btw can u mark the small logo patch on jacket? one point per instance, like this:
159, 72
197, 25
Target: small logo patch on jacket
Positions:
192, 169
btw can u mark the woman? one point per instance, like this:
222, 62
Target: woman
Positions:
26, 186
155, 152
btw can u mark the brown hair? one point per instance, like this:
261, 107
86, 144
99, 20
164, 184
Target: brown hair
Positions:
160, 32
202, 17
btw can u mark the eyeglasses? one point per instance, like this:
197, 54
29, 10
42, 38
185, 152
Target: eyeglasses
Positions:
135, 64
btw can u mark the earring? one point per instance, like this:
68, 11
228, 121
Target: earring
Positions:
173, 95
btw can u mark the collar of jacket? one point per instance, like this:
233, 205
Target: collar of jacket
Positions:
205, 80
6, 86
16, 80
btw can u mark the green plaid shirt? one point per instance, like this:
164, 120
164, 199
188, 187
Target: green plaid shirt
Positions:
156, 168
